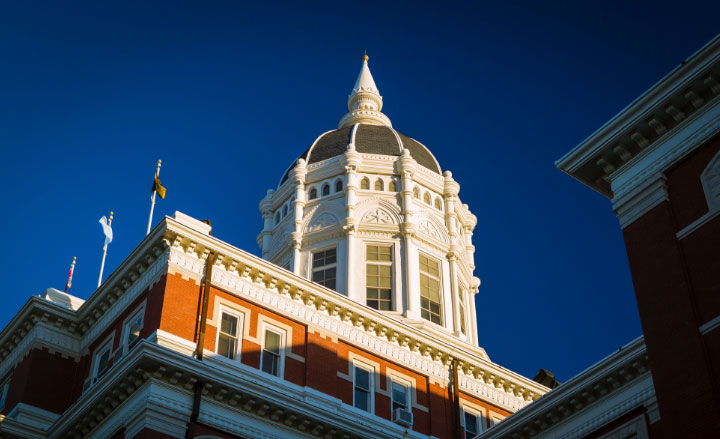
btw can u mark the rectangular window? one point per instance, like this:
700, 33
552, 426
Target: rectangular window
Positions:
228, 344
132, 329
271, 359
400, 396
362, 382
378, 277
472, 425
430, 308
324, 265
102, 361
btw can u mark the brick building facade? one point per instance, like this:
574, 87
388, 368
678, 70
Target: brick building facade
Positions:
357, 323
659, 163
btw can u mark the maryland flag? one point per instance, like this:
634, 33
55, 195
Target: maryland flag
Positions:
158, 187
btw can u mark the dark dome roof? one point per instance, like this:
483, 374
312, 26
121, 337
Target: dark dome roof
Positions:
369, 139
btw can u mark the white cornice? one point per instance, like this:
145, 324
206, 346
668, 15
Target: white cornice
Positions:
609, 375
647, 119
262, 282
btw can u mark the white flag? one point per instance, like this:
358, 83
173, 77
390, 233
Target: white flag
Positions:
107, 230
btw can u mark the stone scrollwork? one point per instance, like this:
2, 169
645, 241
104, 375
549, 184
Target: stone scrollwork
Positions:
377, 216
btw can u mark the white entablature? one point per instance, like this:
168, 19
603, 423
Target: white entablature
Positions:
367, 212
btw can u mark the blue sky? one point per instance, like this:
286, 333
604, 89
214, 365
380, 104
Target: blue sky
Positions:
227, 94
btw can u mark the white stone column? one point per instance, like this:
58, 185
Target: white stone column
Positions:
473, 330
299, 173
450, 192
410, 268
352, 161
267, 214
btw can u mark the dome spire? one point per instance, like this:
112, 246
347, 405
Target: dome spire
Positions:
365, 101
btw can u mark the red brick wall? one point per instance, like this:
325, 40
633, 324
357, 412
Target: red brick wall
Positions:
323, 358
43, 380
677, 285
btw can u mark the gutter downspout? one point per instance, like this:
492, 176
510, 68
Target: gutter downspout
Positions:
456, 399
202, 317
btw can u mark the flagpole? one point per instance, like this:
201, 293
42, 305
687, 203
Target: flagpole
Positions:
102, 265
70, 276
152, 198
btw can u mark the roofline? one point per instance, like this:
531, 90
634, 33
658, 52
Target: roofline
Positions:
641, 107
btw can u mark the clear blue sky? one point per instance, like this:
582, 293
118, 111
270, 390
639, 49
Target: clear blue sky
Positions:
227, 94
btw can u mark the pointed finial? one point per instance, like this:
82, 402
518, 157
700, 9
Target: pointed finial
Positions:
366, 57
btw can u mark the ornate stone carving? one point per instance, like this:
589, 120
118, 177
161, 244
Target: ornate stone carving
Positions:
377, 216
323, 220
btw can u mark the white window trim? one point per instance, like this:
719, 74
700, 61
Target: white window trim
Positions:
408, 392
107, 344
441, 294
311, 270
395, 306
371, 370
283, 346
125, 333
465, 407
240, 331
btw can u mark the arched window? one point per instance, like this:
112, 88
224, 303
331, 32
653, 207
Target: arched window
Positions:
416, 192
426, 198
326, 190
285, 210
365, 183
379, 186
277, 218
392, 187
313, 194
338, 186
438, 204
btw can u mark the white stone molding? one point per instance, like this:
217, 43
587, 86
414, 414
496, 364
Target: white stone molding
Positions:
591, 399
698, 223
710, 325
321, 221
32, 416
345, 322
623, 141
641, 200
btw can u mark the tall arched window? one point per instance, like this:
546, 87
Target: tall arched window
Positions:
325, 190
392, 187
379, 185
338, 186
365, 183
285, 210
426, 198
277, 218
416, 192
313, 194
438, 204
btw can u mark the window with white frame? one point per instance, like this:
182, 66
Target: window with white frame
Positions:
363, 388
132, 328
472, 423
229, 339
272, 358
400, 393
101, 363
378, 277
324, 266
430, 305
4, 391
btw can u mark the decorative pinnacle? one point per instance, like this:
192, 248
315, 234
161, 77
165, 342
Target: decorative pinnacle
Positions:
366, 57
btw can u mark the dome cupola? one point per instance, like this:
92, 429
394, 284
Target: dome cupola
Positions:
367, 212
